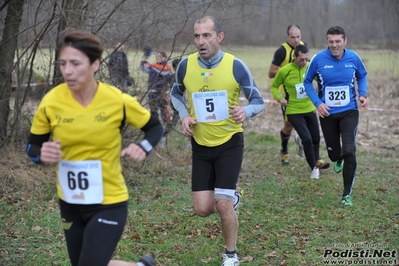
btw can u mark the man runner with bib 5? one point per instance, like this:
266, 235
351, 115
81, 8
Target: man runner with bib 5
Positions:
213, 81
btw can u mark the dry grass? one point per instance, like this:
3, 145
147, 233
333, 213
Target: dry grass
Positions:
18, 174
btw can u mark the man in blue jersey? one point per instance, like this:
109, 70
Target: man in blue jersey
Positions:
213, 81
337, 69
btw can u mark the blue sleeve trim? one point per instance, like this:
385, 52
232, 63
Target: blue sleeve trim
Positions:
35, 159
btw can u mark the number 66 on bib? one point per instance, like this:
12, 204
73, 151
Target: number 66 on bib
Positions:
81, 181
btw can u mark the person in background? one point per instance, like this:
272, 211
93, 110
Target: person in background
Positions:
175, 116
78, 127
337, 68
213, 81
159, 75
119, 68
282, 56
299, 109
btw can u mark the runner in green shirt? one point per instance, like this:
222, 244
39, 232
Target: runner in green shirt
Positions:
300, 111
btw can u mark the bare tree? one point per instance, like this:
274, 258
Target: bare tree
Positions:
33, 27
8, 47
72, 13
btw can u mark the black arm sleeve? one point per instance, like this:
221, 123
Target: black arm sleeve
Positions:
279, 56
34, 145
153, 131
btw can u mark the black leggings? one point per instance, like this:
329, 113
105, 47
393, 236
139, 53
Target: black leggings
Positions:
307, 127
342, 127
92, 232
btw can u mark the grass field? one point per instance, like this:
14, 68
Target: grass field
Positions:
285, 218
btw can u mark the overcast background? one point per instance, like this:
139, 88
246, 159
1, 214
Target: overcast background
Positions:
370, 24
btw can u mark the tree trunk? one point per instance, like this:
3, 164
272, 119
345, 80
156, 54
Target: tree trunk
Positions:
8, 46
73, 14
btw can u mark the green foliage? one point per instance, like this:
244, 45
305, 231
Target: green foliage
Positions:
285, 218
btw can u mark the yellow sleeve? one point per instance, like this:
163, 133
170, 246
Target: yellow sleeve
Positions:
41, 124
135, 114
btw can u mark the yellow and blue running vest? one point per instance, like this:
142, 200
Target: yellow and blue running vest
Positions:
210, 92
289, 53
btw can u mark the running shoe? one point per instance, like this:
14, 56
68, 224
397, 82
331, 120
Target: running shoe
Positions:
315, 173
237, 199
147, 260
347, 200
230, 260
338, 165
321, 164
285, 159
299, 148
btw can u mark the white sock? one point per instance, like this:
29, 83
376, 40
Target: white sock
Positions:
140, 264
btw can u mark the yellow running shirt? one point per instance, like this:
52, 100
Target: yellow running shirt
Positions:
90, 138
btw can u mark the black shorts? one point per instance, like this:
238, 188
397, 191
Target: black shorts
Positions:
92, 232
217, 167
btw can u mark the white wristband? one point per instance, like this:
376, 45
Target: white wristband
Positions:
145, 145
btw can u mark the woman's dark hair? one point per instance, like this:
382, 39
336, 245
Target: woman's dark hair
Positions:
87, 43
